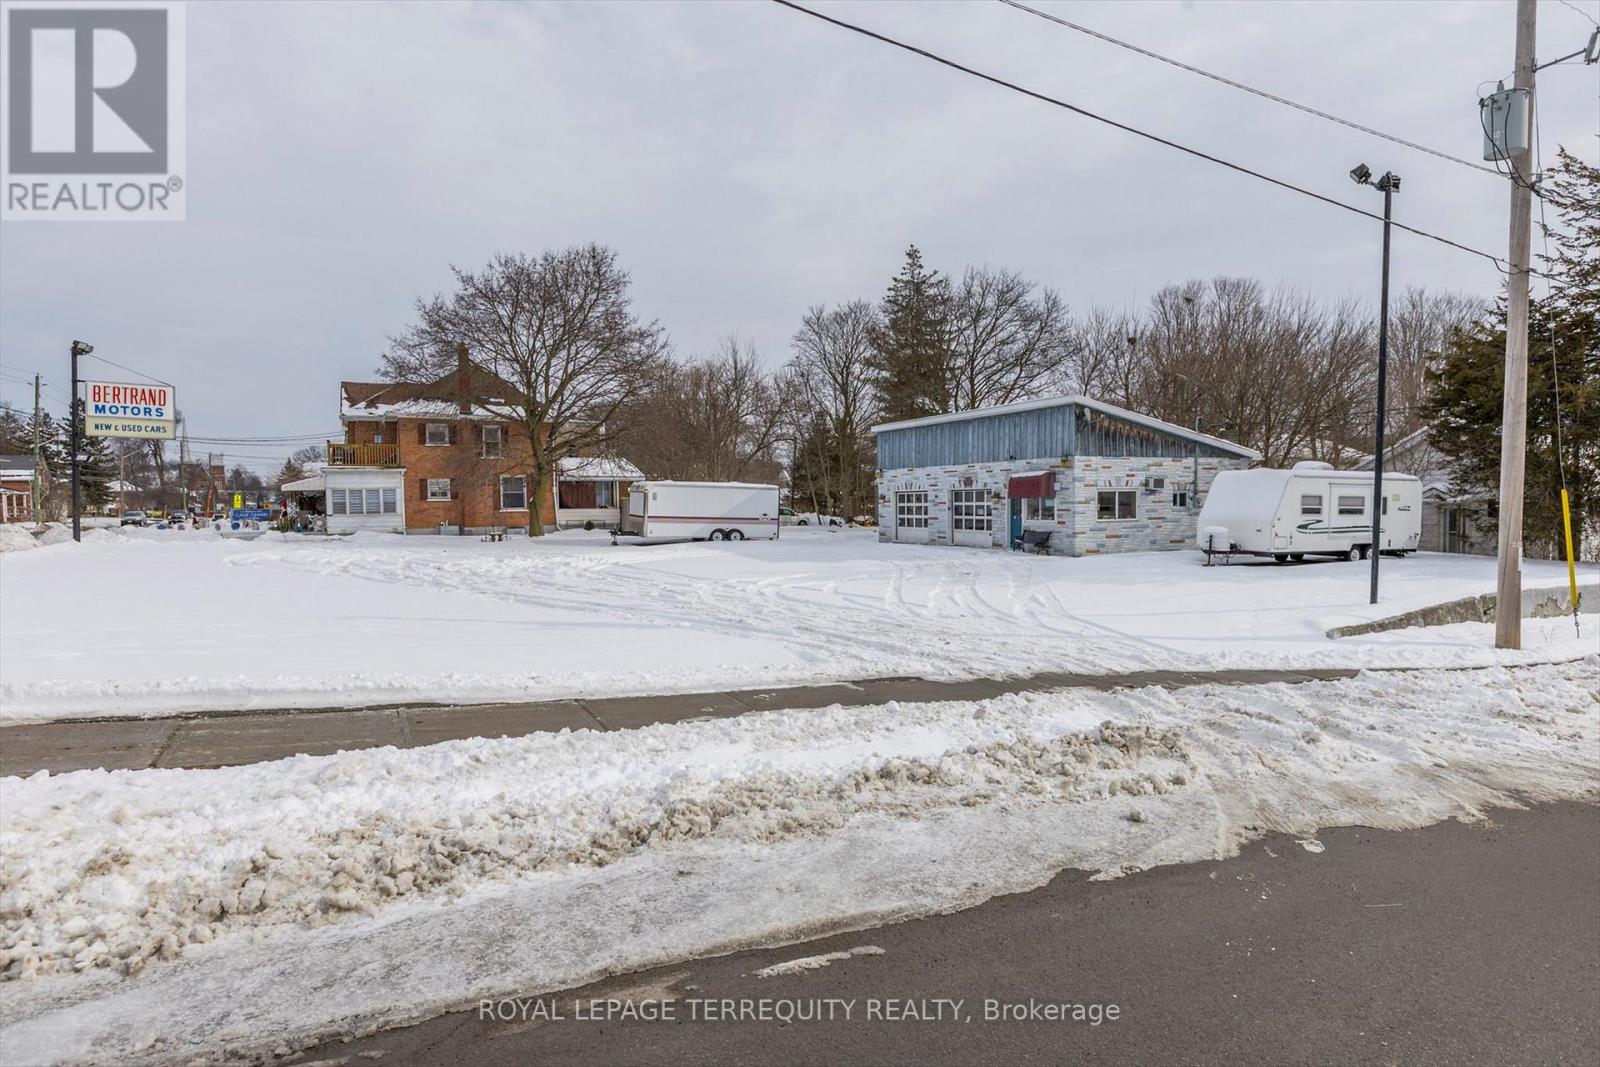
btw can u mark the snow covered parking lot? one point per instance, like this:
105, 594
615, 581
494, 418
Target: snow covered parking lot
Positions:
147, 622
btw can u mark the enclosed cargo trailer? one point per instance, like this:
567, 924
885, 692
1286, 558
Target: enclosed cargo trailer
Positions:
703, 511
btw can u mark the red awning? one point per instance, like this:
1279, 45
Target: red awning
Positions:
1032, 486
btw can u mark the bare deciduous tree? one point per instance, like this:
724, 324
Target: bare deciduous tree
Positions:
1005, 337
560, 330
831, 452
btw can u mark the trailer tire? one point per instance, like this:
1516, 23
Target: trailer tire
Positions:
717, 535
736, 535
1280, 557
1297, 556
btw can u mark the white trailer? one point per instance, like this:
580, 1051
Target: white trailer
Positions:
1311, 510
703, 511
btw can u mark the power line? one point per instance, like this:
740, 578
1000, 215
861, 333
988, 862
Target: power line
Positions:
130, 370
1579, 10
1246, 88
1158, 139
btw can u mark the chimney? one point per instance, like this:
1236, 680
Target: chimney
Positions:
463, 379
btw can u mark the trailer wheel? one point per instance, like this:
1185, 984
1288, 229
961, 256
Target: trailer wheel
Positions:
718, 535
1280, 557
1354, 553
736, 535
1297, 556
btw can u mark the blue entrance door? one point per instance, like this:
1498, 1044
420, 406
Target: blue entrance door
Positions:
1016, 523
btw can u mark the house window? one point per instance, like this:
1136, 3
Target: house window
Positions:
438, 488
1039, 509
377, 438
513, 493
438, 433
911, 510
390, 502
1118, 504
336, 502
1180, 498
1310, 504
374, 502
1352, 505
356, 507
605, 494
492, 441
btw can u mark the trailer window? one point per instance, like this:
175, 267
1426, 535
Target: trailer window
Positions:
911, 510
1310, 504
1118, 504
1352, 505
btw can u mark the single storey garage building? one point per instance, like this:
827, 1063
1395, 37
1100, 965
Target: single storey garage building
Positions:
1068, 475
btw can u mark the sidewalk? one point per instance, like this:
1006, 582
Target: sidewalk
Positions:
227, 739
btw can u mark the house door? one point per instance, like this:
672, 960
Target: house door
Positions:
1016, 523
970, 520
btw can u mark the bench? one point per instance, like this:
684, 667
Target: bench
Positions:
1037, 540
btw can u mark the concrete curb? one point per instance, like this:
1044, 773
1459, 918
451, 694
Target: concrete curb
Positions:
1536, 604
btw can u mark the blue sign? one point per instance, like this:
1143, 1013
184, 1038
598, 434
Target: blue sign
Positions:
258, 514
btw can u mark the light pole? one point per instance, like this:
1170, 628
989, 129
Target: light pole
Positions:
74, 439
1387, 185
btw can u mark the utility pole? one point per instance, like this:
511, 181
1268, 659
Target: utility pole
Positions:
1387, 183
74, 430
38, 452
1514, 415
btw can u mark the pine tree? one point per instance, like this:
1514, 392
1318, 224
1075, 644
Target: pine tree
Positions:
1464, 406
15, 438
912, 356
97, 467
289, 472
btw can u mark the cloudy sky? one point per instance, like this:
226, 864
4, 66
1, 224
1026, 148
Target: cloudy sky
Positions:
748, 161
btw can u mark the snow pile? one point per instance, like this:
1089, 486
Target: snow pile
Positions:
350, 892
308, 622
14, 537
816, 963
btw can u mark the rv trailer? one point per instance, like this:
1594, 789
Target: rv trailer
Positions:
703, 511
1311, 510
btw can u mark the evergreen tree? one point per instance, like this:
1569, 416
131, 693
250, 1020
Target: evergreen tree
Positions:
289, 472
911, 347
15, 437
97, 467
1464, 407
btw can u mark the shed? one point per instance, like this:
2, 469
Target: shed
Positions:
1085, 476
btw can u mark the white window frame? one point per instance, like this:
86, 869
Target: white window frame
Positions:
1118, 498
427, 434
357, 504
434, 488
911, 509
1309, 510
391, 502
1039, 509
605, 494
1180, 498
1346, 508
336, 502
522, 479
499, 443
970, 510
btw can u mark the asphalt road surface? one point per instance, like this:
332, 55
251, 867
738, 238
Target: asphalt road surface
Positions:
1452, 944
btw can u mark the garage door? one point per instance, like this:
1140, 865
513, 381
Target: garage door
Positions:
970, 521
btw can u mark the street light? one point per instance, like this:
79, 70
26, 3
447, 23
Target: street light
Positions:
1388, 185
74, 439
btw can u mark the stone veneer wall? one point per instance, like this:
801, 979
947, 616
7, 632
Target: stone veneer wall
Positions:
1078, 532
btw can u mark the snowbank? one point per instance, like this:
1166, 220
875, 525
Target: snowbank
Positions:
296, 622
14, 537
166, 915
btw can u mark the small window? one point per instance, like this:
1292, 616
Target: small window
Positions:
1039, 509
513, 493
911, 510
374, 502
1352, 505
356, 507
493, 440
1118, 504
377, 438
336, 502
438, 488
390, 502
605, 494
1310, 504
438, 433
1180, 498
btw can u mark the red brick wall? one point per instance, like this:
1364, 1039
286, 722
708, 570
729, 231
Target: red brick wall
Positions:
366, 433
474, 480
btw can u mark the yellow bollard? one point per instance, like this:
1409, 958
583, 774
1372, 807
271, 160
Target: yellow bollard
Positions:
1572, 570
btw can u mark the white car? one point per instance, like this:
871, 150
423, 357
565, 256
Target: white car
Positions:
791, 517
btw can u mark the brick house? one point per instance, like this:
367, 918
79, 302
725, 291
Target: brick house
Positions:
448, 456
16, 488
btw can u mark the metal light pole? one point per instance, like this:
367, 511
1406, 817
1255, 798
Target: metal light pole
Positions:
74, 439
1387, 185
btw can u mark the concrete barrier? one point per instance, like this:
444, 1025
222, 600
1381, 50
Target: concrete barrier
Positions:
1536, 604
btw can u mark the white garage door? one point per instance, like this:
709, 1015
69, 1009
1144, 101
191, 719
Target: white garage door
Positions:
970, 521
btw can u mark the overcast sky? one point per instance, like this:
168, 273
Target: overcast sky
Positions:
747, 161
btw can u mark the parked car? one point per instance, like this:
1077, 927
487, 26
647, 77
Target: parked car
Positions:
791, 517
134, 518
178, 518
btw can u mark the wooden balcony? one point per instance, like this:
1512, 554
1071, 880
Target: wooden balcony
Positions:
341, 454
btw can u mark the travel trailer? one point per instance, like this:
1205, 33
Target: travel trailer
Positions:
703, 511
1312, 510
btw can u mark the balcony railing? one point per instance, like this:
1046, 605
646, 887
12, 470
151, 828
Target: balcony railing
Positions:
342, 454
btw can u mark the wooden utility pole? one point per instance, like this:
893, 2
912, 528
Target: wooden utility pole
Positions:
1514, 415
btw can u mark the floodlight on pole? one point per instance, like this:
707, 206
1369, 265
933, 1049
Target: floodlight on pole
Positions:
1388, 185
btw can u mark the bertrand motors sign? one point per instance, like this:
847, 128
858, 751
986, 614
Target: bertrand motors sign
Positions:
116, 409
